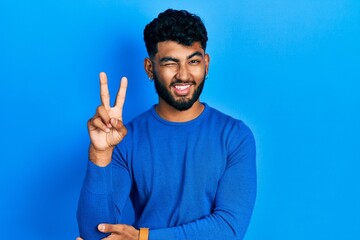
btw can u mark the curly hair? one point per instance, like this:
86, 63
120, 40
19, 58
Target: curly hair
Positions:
174, 25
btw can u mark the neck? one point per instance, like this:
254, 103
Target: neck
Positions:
171, 114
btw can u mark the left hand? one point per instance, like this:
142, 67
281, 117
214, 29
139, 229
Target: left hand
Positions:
118, 232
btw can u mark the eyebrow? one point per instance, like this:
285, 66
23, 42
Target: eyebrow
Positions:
166, 59
197, 53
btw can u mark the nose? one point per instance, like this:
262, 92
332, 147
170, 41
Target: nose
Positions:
183, 72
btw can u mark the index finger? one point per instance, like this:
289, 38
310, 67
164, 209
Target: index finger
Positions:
120, 98
104, 90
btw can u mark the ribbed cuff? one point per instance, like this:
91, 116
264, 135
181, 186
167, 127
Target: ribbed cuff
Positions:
162, 234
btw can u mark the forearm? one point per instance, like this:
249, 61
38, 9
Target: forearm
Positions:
92, 212
96, 204
224, 223
212, 227
102, 200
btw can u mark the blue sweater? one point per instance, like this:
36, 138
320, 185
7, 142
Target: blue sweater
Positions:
190, 180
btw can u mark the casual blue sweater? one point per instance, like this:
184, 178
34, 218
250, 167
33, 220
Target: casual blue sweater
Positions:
188, 180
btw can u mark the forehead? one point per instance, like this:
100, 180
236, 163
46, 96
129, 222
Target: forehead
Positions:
176, 50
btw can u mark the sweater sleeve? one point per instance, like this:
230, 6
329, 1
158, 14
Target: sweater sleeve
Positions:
235, 196
104, 192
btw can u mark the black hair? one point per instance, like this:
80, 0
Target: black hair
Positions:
174, 25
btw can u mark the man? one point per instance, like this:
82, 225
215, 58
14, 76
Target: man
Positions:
188, 169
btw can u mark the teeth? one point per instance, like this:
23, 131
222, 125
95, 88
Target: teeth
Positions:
182, 87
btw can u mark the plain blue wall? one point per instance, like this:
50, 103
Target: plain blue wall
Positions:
289, 69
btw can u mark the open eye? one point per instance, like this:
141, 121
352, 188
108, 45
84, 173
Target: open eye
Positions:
194, 61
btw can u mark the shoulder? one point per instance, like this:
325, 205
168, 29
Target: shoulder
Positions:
234, 130
140, 120
227, 120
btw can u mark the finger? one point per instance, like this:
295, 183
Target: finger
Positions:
104, 115
79, 238
110, 228
120, 98
105, 228
104, 90
97, 123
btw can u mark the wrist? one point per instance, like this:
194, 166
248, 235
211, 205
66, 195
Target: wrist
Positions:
100, 158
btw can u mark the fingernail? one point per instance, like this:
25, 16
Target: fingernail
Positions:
107, 130
101, 227
114, 121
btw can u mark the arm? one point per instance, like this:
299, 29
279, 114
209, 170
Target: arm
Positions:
106, 130
235, 196
99, 201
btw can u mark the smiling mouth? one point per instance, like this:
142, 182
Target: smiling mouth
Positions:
182, 89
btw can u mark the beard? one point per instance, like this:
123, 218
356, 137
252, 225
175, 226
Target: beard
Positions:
184, 103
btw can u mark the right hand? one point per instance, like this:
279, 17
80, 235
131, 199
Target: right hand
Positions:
106, 128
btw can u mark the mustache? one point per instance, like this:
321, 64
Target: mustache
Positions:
178, 81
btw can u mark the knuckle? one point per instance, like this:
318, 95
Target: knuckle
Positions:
121, 228
124, 131
104, 94
95, 121
107, 228
99, 108
91, 121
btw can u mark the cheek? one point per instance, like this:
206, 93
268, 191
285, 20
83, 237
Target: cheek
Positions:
167, 74
198, 73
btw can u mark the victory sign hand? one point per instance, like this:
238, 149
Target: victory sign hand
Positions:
106, 128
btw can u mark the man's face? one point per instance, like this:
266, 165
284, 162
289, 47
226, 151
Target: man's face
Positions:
179, 73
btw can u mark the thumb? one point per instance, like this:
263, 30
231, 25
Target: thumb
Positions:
107, 228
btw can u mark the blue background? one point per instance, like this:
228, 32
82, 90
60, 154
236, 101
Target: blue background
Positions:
289, 69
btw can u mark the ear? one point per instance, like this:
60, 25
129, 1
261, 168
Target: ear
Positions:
207, 63
148, 66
